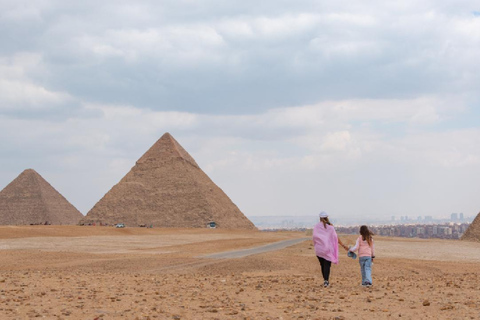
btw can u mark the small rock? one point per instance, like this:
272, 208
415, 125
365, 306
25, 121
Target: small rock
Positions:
426, 303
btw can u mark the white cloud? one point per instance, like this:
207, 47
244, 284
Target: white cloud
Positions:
341, 114
20, 11
15, 95
267, 27
181, 44
453, 148
336, 141
426, 114
129, 117
19, 91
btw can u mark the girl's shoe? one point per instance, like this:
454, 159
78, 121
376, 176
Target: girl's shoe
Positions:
325, 283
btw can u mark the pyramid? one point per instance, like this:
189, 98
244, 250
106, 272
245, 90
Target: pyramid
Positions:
166, 188
473, 231
29, 199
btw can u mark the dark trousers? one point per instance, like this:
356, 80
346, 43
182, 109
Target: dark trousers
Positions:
325, 264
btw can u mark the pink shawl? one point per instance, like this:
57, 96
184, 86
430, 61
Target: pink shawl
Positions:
325, 242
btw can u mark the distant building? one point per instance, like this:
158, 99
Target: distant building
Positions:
461, 216
443, 230
430, 231
454, 217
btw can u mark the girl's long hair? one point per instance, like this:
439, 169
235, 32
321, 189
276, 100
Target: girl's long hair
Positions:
325, 222
366, 235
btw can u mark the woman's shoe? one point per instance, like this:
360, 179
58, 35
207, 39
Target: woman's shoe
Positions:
325, 283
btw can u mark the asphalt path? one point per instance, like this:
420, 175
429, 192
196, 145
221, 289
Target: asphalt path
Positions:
248, 252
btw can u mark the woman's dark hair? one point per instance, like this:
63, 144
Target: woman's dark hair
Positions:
325, 222
366, 235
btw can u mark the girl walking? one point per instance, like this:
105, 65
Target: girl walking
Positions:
366, 253
325, 243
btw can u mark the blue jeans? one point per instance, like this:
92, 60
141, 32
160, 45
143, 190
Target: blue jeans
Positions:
366, 269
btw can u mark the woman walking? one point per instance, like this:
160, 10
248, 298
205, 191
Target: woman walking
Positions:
366, 253
325, 243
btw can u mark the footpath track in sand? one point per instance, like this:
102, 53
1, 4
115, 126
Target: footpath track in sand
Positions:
257, 250
233, 254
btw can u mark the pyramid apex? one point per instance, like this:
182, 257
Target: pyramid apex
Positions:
30, 172
166, 147
168, 137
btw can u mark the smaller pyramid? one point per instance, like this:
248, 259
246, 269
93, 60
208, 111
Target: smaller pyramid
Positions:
29, 199
473, 231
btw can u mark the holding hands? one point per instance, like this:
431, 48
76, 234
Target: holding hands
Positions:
342, 244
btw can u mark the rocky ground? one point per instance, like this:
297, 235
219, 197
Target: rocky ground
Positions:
103, 273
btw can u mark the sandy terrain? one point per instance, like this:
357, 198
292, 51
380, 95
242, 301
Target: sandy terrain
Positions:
134, 273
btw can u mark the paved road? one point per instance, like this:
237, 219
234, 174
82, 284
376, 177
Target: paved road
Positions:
247, 252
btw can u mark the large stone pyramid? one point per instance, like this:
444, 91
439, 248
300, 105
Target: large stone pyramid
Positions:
29, 199
167, 188
473, 231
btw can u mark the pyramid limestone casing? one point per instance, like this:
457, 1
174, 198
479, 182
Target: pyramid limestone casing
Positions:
473, 231
29, 199
167, 188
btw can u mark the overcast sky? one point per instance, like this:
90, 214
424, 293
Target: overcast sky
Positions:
367, 109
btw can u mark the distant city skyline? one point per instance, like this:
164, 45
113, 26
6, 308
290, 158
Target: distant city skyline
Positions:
424, 231
309, 221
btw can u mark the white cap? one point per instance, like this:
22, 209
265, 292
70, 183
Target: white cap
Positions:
323, 214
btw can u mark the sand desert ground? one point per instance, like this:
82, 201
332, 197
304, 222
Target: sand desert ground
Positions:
72, 272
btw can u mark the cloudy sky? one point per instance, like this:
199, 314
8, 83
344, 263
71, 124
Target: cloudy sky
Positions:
365, 109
